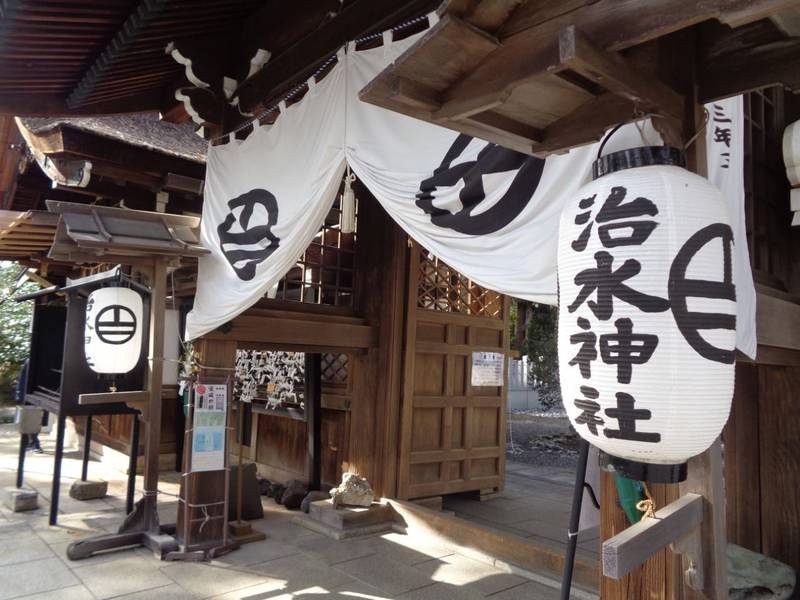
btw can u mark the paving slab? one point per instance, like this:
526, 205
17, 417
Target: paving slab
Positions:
260, 552
169, 592
389, 576
411, 550
122, 576
205, 580
528, 590
73, 592
461, 571
299, 572
34, 577
442, 591
24, 547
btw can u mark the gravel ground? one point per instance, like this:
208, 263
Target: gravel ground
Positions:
544, 439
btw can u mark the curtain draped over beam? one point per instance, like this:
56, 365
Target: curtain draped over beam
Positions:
489, 212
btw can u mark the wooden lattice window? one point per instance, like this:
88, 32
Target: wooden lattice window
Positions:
444, 289
325, 273
766, 187
334, 369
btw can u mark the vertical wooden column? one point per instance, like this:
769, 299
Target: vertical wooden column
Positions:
380, 288
152, 435
313, 409
206, 486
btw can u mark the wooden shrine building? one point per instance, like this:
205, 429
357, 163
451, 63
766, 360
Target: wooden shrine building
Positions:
395, 327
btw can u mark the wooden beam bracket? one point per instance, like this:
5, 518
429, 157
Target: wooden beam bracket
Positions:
692, 526
633, 546
613, 72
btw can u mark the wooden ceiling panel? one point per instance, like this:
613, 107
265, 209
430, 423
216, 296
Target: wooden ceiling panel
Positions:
554, 76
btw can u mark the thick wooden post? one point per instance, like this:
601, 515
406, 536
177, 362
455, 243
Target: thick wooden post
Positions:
152, 434
313, 408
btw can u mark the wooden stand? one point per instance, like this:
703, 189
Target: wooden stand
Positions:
142, 527
693, 526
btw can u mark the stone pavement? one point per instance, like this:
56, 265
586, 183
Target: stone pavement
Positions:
293, 562
534, 505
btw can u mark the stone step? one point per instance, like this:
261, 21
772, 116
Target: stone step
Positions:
347, 521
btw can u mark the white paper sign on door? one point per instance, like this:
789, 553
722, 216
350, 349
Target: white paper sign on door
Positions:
487, 368
208, 435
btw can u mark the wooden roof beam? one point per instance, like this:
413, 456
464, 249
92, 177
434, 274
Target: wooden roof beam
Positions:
146, 13
774, 64
298, 62
612, 25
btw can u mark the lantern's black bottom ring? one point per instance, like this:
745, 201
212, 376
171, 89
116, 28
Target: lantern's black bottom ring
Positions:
639, 471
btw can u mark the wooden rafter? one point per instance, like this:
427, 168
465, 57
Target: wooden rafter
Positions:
145, 13
547, 76
299, 61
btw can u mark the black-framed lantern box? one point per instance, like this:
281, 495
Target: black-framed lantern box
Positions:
150, 243
61, 378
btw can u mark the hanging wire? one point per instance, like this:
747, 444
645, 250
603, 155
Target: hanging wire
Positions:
303, 85
699, 131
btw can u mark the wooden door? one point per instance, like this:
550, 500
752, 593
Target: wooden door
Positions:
452, 435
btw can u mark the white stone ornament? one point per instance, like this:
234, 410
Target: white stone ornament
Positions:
113, 330
647, 305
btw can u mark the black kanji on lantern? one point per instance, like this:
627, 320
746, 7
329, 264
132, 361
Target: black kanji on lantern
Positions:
590, 409
609, 284
682, 288
620, 223
626, 416
617, 232
579, 245
588, 351
625, 348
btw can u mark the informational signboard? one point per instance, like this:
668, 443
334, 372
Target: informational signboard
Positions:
208, 427
487, 368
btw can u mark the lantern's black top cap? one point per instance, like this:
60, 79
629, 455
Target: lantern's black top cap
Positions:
644, 156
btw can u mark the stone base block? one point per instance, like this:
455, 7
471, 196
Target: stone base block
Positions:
347, 522
88, 490
20, 500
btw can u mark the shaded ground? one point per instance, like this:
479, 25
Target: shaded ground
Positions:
535, 505
293, 562
544, 439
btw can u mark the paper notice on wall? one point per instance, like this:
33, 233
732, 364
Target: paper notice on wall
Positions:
208, 427
487, 368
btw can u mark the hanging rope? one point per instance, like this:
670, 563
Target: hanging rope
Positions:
648, 505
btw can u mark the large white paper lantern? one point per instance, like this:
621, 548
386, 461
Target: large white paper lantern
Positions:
647, 305
791, 152
113, 330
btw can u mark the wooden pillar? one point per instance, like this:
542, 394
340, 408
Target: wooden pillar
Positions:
380, 293
152, 434
206, 486
313, 409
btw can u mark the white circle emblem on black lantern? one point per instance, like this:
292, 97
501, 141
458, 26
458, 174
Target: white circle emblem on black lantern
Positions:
647, 312
113, 330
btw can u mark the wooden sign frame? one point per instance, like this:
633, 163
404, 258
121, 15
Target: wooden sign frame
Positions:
196, 542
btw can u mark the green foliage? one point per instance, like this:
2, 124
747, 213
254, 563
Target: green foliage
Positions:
542, 350
15, 321
513, 315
